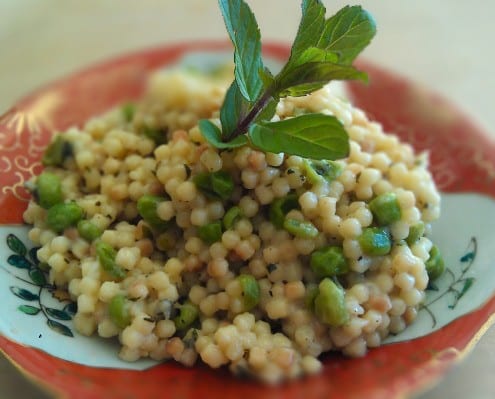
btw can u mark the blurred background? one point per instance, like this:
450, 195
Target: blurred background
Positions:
445, 45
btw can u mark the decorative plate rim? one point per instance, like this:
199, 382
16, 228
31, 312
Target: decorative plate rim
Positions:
277, 49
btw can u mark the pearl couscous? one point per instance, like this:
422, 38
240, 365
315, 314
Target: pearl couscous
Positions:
256, 261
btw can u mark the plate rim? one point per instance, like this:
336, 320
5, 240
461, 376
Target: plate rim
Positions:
278, 48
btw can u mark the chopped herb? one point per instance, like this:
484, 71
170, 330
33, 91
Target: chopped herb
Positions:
211, 232
280, 207
216, 185
57, 152
128, 110
271, 267
231, 217
158, 136
318, 171
188, 171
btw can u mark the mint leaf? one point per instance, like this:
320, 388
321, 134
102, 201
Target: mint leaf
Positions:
310, 27
245, 36
234, 109
213, 135
311, 54
347, 33
315, 136
267, 78
306, 78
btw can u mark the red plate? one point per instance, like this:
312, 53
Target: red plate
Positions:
462, 159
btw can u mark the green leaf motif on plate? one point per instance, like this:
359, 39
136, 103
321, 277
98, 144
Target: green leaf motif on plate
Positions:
59, 328
29, 310
18, 261
16, 245
37, 276
27, 260
467, 257
33, 255
71, 308
58, 314
24, 294
460, 284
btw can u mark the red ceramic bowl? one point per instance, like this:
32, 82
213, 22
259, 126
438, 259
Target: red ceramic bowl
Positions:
459, 152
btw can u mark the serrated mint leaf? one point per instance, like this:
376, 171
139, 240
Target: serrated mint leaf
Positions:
213, 135
314, 54
307, 78
266, 77
234, 109
245, 36
315, 136
310, 27
347, 33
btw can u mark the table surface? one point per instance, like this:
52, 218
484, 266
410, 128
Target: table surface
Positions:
442, 44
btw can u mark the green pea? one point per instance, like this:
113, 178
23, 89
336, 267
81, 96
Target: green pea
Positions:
158, 136
311, 294
231, 217
280, 207
63, 215
128, 111
329, 261
211, 232
300, 229
89, 231
118, 311
147, 206
375, 241
217, 185
435, 264
188, 313
330, 304
250, 291
320, 170
385, 208
202, 182
57, 152
48, 190
222, 184
415, 233
106, 256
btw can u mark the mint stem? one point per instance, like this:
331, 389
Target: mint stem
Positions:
243, 125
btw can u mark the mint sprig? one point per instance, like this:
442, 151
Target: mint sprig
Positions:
323, 50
